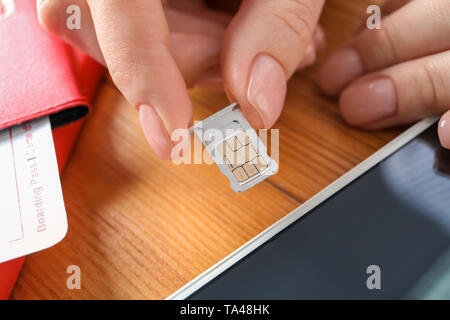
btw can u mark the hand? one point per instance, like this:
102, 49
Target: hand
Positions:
398, 74
155, 50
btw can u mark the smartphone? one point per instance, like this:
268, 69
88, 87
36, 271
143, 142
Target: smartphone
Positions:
381, 231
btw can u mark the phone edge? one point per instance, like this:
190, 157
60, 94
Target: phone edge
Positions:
251, 245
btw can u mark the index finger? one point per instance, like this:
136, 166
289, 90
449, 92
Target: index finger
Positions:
134, 39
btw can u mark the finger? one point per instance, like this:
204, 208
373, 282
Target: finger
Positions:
52, 17
193, 53
399, 95
376, 49
444, 130
309, 57
318, 43
393, 5
388, 7
231, 6
319, 38
263, 46
142, 66
187, 6
211, 80
190, 23
199, 9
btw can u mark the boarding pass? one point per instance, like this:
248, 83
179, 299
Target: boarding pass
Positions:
32, 213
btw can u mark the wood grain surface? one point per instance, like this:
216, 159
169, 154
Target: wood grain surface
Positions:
140, 228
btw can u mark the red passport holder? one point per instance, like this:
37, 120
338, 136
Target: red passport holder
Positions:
41, 76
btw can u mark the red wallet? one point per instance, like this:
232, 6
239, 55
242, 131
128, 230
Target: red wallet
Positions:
40, 76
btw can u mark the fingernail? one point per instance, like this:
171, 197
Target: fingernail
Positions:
155, 131
339, 70
368, 101
444, 130
266, 90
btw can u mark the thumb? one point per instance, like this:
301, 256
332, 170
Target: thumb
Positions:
263, 47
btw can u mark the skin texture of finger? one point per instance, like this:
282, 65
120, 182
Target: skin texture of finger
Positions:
373, 50
444, 130
399, 95
262, 48
141, 64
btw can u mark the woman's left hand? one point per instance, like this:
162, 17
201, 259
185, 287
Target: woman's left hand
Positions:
397, 74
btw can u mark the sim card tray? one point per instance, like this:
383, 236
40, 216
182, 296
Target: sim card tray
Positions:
236, 148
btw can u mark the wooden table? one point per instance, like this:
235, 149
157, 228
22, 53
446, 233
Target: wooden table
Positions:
140, 228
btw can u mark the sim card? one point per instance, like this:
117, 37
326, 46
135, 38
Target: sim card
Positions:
236, 148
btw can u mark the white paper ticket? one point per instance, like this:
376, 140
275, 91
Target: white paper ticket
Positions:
32, 213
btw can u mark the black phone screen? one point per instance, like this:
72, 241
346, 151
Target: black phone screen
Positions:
386, 235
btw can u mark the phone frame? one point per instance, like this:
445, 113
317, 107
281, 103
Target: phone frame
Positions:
224, 264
